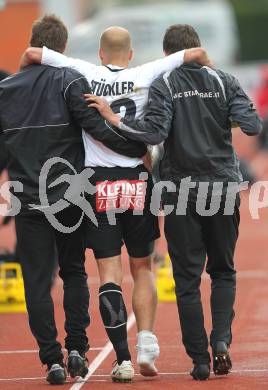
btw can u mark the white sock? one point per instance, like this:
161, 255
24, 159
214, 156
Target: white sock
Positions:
143, 333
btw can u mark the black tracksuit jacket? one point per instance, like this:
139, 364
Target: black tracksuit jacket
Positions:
193, 109
42, 113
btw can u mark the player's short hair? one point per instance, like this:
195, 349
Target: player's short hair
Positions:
180, 37
51, 32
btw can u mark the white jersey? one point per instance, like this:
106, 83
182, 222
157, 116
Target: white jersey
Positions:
126, 89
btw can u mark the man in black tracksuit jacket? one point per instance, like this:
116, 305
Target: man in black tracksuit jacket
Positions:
42, 113
192, 110
3, 151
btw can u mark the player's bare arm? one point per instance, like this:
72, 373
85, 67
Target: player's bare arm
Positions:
32, 55
199, 55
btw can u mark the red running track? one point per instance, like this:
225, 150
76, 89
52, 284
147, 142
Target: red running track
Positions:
20, 368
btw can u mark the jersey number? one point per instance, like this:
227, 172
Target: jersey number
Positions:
129, 106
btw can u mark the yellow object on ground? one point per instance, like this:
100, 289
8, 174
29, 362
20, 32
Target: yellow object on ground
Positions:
165, 282
12, 297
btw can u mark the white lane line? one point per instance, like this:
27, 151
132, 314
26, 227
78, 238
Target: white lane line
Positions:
42, 378
108, 376
232, 372
250, 370
187, 372
107, 349
22, 379
18, 351
21, 351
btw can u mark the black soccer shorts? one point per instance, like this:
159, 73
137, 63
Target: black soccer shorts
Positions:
121, 189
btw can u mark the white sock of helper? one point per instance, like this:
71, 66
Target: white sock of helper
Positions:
148, 352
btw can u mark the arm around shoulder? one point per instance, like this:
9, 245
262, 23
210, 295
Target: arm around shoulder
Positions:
93, 123
155, 126
198, 55
32, 55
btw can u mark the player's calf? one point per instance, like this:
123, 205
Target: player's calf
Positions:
114, 316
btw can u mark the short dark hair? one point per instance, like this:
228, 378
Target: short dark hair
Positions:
51, 32
180, 37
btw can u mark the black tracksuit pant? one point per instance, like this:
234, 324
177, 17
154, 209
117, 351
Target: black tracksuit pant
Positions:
36, 251
191, 240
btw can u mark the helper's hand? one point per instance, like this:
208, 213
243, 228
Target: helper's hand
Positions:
147, 161
104, 108
32, 55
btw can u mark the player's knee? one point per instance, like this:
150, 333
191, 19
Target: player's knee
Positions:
111, 277
139, 266
110, 271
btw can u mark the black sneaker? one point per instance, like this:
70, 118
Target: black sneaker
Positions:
200, 372
77, 365
56, 374
222, 363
